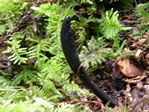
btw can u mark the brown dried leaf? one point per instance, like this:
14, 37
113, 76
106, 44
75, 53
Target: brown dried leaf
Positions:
142, 41
128, 68
136, 79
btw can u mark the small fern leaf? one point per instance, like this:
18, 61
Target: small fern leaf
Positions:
94, 55
15, 52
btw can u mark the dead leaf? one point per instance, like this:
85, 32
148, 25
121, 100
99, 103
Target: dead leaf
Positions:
128, 68
136, 79
142, 41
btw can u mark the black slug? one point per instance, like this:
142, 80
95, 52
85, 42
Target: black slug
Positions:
71, 55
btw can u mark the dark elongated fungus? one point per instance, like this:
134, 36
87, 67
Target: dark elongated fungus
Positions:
71, 55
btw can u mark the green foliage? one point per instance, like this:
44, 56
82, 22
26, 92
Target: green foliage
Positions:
7, 20
40, 74
39, 46
110, 27
125, 109
138, 33
78, 2
2, 27
9, 92
4, 82
10, 10
107, 109
40, 105
141, 11
7, 6
16, 52
54, 22
27, 76
80, 30
94, 55
53, 70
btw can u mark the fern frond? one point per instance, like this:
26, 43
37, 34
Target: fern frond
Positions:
14, 6
80, 29
28, 76
7, 20
142, 13
7, 6
71, 87
55, 70
2, 29
94, 55
40, 105
110, 25
17, 54
39, 46
54, 22
4, 82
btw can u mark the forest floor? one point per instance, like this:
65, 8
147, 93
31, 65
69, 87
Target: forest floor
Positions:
127, 79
